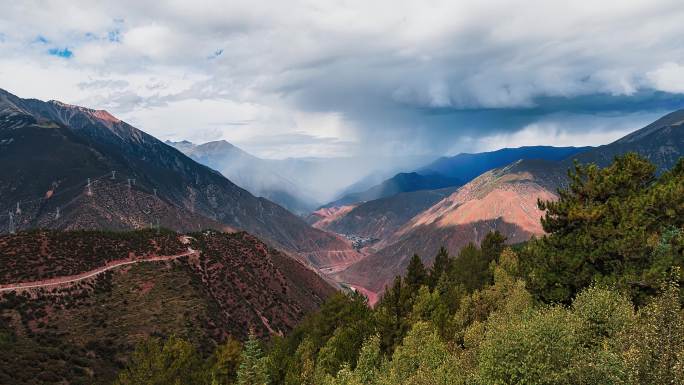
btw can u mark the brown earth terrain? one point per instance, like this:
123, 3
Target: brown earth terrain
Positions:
323, 217
503, 200
123, 287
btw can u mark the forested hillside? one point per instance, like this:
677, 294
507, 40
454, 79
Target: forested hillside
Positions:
597, 300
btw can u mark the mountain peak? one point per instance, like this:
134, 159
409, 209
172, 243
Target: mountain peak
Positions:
98, 114
673, 119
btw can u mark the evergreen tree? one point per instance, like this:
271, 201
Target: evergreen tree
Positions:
154, 362
416, 275
469, 268
252, 370
605, 226
392, 314
441, 264
492, 246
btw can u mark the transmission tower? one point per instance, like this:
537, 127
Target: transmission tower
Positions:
12, 230
57, 213
90, 190
113, 175
18, 211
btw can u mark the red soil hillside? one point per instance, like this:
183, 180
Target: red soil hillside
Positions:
323, 217
503, 199
233, 282
380, 218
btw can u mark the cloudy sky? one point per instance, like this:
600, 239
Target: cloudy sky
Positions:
336, 78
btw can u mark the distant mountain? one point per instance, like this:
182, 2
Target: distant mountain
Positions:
661, 142
81, 332
503, 199
469, 166
454, 171
400, 183
249, 172
49, 150
380, 218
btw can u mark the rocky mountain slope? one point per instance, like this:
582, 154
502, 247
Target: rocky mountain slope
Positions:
400, 183
503, 199
661, 142
454, 171
152, 182
379, 218
233, 283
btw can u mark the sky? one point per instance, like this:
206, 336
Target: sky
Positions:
321, 78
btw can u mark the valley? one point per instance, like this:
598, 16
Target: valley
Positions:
108, 217
308, 192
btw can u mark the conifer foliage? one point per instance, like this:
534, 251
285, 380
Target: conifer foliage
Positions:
595, 301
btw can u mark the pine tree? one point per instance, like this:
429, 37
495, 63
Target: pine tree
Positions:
252, 369
603, 227
392, 314
442, 262
492, 246
416, 275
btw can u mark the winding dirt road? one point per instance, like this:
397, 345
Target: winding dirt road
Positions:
89, 274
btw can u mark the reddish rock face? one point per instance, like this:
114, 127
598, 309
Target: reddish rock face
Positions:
504, 200
247, 283
323, 217
215, 285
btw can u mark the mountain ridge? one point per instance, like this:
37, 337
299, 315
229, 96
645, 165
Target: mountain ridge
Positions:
504, 199
76, 144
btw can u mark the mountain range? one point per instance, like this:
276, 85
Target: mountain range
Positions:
70, 167
298, 184
503, 199
258, 176
90, 170
453, 171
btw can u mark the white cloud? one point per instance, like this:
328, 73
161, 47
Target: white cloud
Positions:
668, 77
338, 70
560, 130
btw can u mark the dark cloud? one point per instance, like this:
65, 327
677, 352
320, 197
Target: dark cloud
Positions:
413, 77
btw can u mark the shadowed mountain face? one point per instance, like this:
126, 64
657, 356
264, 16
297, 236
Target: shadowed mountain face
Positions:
50, 149
503, 199
379, 218
661, 142
256, 175
469, 166
400, 183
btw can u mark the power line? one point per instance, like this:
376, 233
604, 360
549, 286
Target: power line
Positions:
12, 230
25, 207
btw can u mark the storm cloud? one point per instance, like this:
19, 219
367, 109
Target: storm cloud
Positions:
328, 78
